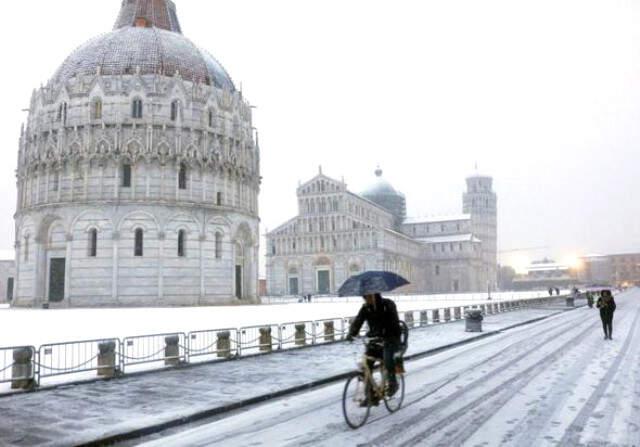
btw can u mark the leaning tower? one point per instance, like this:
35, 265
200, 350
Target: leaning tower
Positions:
481, 202
138, 174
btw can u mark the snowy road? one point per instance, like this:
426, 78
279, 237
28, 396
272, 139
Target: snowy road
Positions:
556, 382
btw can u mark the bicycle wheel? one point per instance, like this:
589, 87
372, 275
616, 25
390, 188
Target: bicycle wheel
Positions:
355, 414
394, 402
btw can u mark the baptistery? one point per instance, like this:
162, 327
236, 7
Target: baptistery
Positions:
138, 175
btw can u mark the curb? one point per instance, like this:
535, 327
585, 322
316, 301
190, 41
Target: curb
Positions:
195, 417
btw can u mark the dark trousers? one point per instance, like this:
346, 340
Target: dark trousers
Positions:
607, 322
386, 353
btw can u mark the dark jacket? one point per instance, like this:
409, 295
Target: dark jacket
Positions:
382, 319
606, 304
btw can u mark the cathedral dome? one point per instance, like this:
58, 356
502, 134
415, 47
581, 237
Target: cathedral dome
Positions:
147, 39
384, 195
380, 187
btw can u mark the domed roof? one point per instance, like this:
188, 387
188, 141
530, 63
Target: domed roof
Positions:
147, 39
380, 187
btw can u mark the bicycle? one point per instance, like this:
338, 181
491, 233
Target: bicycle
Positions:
356, 401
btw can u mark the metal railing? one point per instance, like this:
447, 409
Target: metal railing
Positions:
159, 351
169, 348
57, 359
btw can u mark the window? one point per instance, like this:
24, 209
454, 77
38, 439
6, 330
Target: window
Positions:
219, 246
182, 176
181, 243
273, 248
26, 249
126, 175
62, 113
175, 110
219, 199
96, 109
136, 108
211, 118
56, 181
9, 289
93, 243
437, 270
139, 242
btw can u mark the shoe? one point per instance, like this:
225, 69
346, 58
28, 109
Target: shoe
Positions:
606, 337
374, 402
392, 388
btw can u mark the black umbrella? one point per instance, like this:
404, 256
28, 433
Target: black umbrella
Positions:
371, 282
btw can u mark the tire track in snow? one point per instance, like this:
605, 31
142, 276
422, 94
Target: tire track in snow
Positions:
572, 435
392, 435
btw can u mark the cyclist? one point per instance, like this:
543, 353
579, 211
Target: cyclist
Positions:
382, 317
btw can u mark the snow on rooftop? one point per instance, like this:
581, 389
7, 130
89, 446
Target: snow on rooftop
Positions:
437, 219
468, 237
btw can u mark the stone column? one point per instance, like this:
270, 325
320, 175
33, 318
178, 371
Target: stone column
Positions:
67, 271
114, 266
301, 336
408, 318
172, 350
161, 239
22, 369
329, 332
447, 315
265, 339
107, 359
223, 344
457, 313
424, 318
436, 315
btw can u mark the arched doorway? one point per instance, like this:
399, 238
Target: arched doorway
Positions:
239, 272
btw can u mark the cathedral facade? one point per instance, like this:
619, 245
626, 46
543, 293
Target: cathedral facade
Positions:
338, 233
138, 175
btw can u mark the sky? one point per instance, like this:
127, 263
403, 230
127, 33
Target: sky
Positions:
542, 95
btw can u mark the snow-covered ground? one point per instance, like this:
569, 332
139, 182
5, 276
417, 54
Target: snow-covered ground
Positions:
553, 383
19, 327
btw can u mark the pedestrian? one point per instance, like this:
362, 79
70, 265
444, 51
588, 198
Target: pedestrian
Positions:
550, 291
607, 306
557, 291
590, 299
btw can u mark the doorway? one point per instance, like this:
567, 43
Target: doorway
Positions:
324, 282
239, 282
57, 269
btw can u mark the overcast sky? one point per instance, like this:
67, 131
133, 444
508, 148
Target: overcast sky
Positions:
543, 95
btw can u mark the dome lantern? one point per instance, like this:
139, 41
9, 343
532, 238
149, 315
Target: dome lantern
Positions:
148, 14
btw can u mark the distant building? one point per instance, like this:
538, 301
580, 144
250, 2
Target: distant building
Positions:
338, 233
544, 274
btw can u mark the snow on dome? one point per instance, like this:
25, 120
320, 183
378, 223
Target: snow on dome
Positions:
147, 39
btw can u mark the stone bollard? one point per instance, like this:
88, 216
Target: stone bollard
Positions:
408, 318
329, 331
265, 339
570, 301
473, 320
301, 336
172, 350
447, 315
424, 318
22, 369
107, 359
223, 344
436, 315
457, 313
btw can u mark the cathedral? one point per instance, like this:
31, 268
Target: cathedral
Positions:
338, 233
138, 175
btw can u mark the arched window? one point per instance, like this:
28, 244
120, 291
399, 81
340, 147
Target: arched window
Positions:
93, 243
175, 109
182, 236
437, 270
126, 175
26, 249
96, 109
211, 118
218, 246
136, 108
182, 176
139, 243
219, 199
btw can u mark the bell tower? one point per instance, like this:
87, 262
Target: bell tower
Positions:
481, 202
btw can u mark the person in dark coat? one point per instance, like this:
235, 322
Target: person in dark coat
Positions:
607, 306
382, 318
